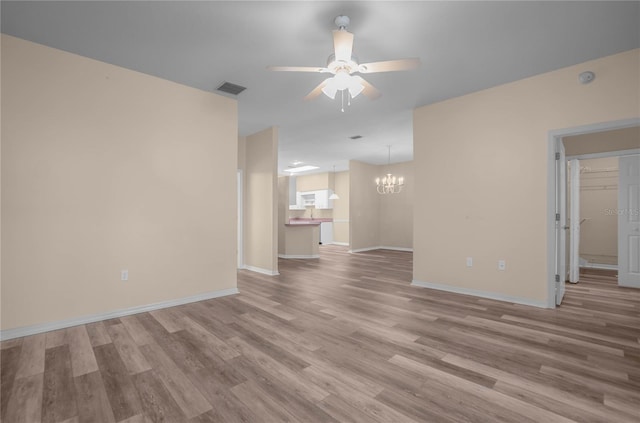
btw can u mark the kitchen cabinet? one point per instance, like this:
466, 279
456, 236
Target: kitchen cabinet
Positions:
317, 199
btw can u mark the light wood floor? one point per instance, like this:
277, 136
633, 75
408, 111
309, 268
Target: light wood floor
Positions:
342, 338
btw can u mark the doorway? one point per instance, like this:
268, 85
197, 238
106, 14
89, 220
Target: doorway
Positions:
589, 140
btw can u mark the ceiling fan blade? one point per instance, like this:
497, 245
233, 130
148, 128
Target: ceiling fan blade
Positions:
317, 90
389, 66
342, 44
296, 69
369, 90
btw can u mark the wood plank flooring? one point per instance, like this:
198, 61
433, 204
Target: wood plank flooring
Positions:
342, 338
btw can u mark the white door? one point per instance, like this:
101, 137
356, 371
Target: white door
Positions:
561, 221
574, 223
629, 221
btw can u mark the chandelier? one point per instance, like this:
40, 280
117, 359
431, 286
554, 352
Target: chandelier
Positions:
389, 184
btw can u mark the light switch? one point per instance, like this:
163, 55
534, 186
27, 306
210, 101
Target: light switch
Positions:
502, 265
469, 261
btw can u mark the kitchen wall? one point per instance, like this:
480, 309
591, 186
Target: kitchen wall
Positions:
481, 164
105, 169
598, 203
261, 202
314, 182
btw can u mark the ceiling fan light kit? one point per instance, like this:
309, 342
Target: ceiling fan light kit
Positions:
342, 64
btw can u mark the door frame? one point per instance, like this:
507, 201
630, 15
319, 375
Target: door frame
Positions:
574, 222
240, 221
554, 248
624, 276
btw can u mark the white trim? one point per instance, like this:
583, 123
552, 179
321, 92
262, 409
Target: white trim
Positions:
629, 285
482, 294
555, 136
344, 244
260, 270
631, 152
362, 250
600, 266
240, 217
396, 248
298, 256
574, 222
381, 247
340, 220
61, 324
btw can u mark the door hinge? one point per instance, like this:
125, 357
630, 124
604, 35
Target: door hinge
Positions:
557, 217
557, 278
557, 156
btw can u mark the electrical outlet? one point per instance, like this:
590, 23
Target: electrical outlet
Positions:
502, 265
469, 261
124, 275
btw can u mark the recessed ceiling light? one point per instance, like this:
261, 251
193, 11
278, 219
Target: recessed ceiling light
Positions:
301, 169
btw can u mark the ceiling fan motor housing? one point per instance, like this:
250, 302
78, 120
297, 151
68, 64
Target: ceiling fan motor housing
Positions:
342, 21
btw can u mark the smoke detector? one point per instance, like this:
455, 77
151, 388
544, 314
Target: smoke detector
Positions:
586, 77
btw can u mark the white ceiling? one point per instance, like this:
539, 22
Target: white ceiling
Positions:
464, 47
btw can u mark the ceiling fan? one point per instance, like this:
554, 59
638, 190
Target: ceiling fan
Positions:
343, 65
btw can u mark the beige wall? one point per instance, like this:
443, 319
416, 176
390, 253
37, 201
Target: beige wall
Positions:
599, 142
301, 241
105, 169
364, 206
242, 152
341, 208
396, 210
491, 149
261, 201
598, 202
313, 182
283, 210
380, 220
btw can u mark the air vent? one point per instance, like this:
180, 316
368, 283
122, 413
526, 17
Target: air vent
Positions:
356, 137
229, 88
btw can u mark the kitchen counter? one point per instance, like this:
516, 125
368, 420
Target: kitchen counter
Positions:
297, 221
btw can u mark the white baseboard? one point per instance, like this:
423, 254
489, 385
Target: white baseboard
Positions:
396, 248
361, 250
261, 270
629, 285
82, 320
380, 247
344, 244
599, 266
297, 256
482, 294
